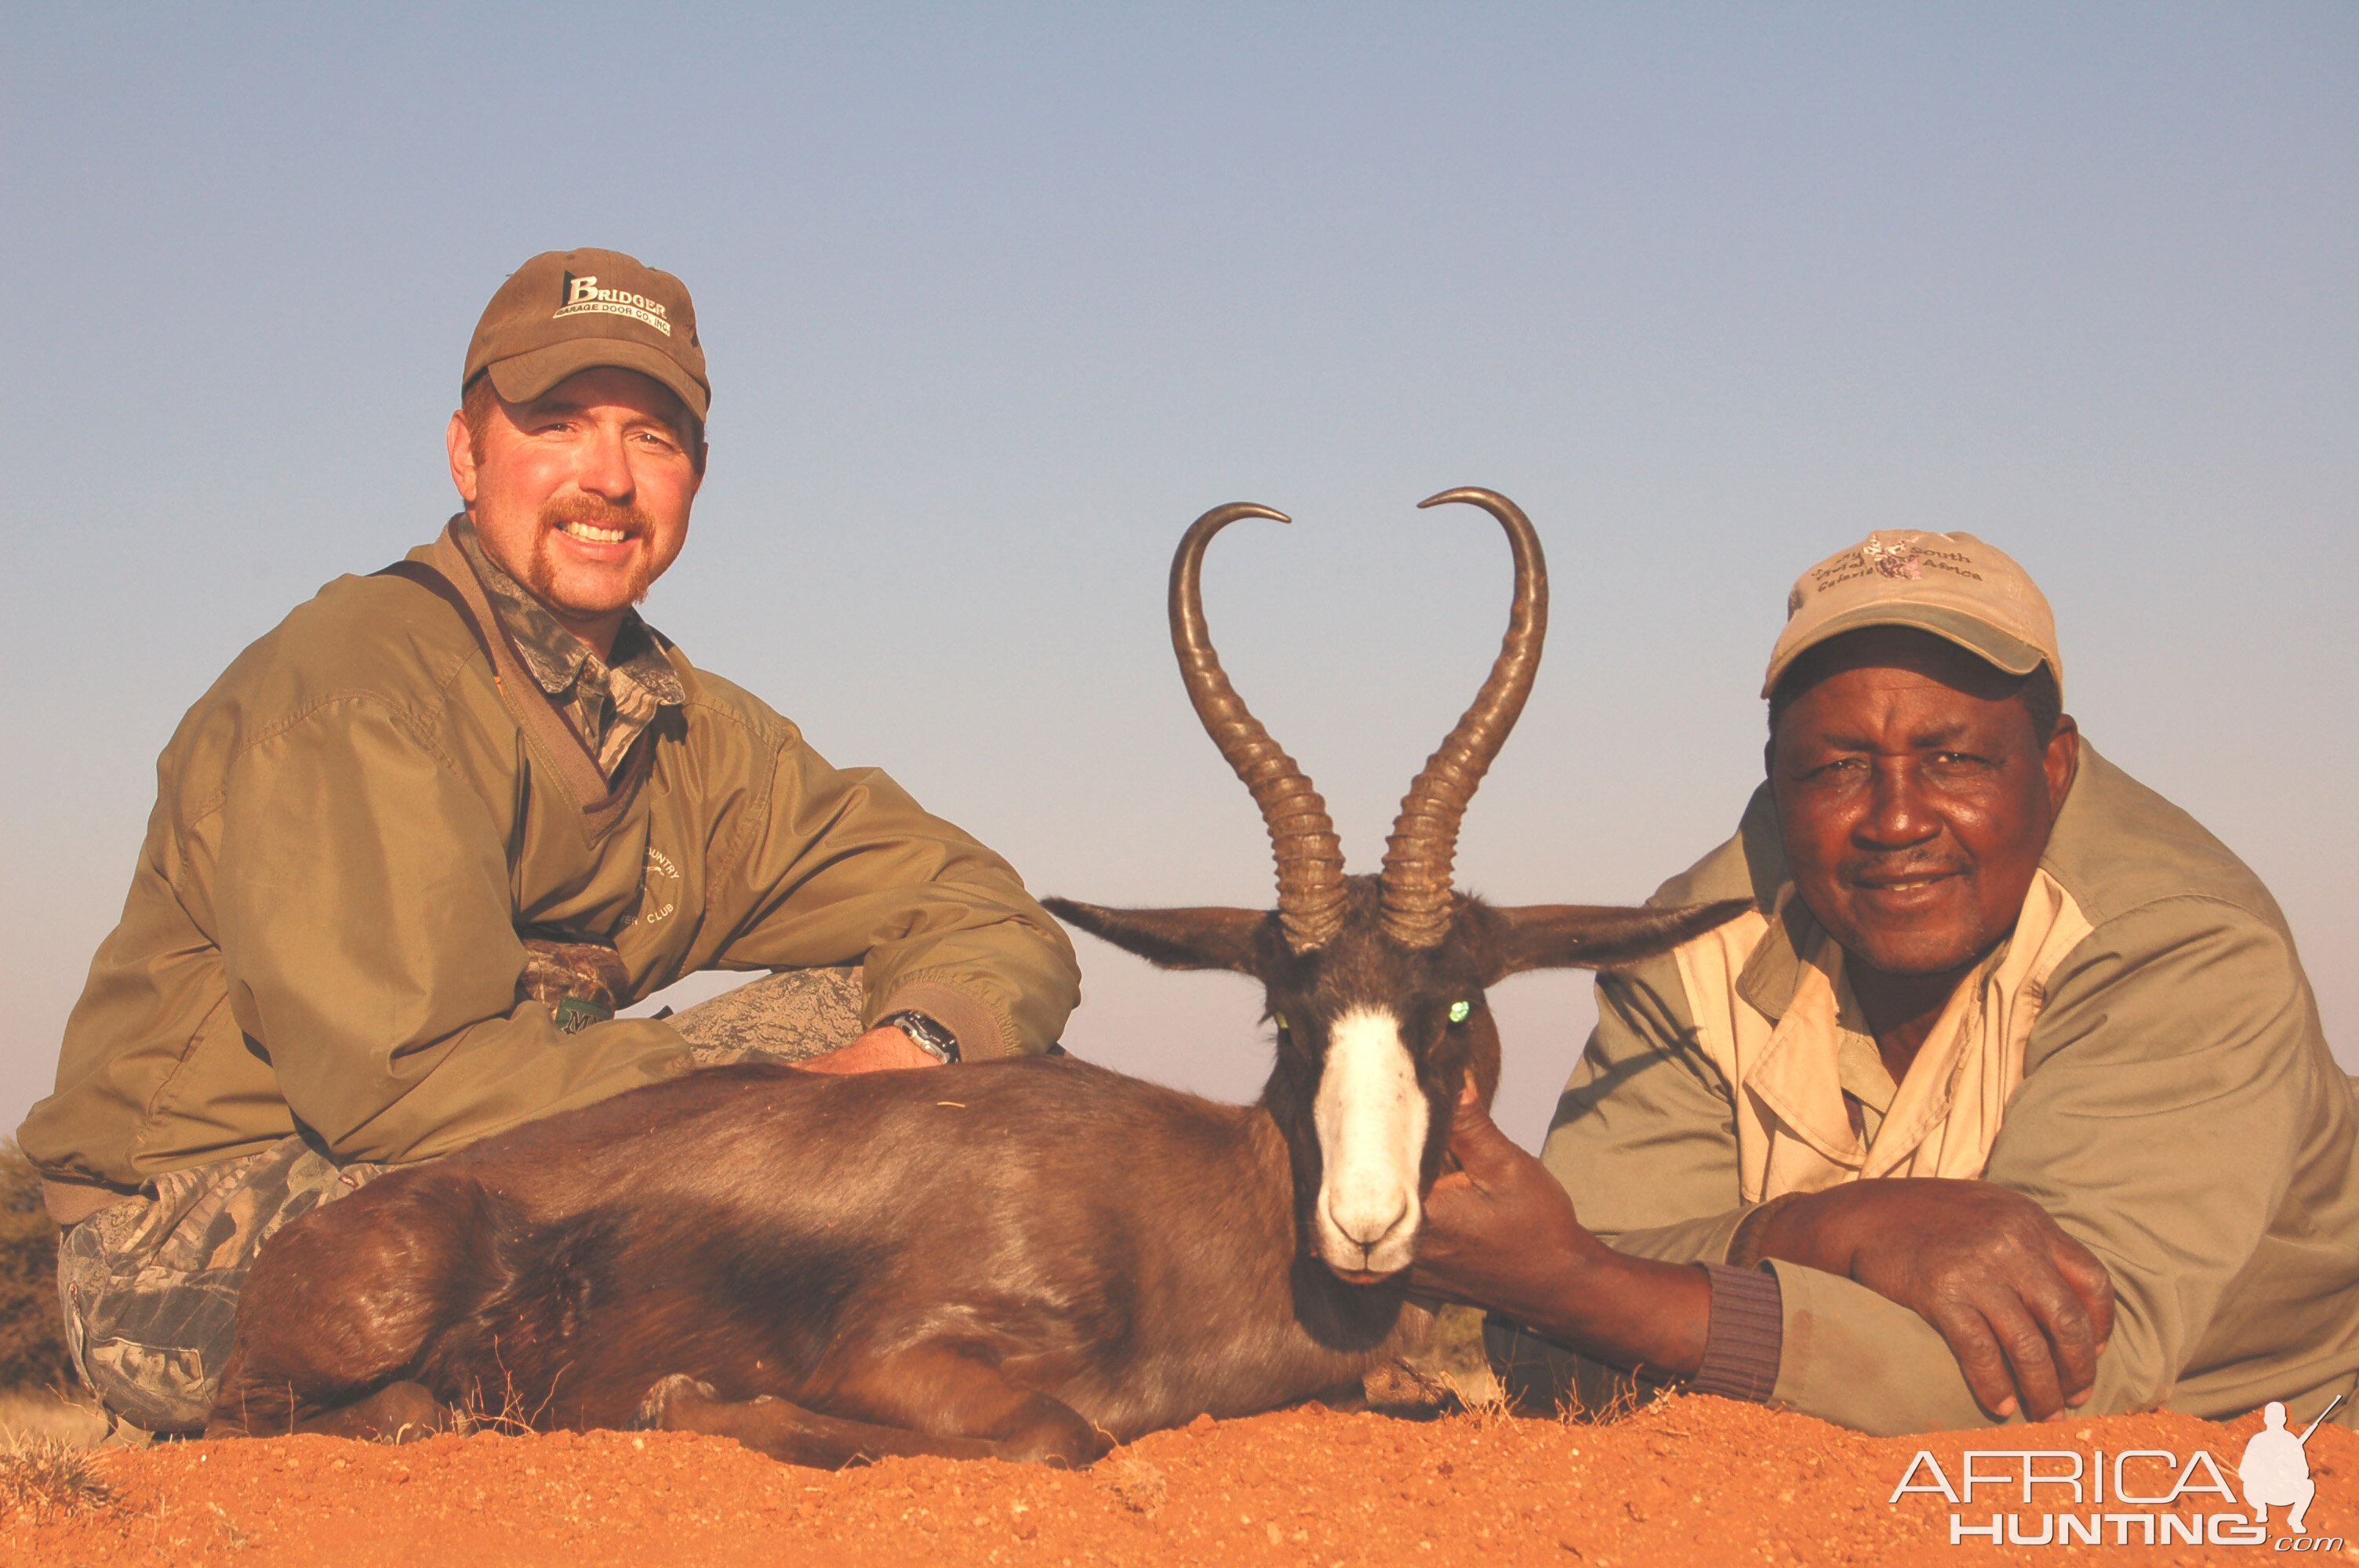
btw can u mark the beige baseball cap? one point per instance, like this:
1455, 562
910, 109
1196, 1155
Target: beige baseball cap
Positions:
565, 311
1951, 585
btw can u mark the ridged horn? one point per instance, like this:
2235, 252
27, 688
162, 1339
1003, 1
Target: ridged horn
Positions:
1415, 908
1309, 855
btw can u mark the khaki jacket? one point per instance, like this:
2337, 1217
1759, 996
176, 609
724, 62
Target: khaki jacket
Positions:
350, 826
2143, 1057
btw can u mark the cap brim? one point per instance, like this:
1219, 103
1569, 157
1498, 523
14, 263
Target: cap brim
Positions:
522, 377
1976, 636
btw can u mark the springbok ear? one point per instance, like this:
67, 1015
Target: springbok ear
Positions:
1177, 938
1587, 936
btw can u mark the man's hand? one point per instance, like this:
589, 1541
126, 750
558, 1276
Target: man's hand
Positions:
1500, 1233
2026, 1309
881, 1048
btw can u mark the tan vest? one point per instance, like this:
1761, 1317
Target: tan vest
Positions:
1794, 1133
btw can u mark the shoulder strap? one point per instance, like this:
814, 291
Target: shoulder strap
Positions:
603, 802
438, 585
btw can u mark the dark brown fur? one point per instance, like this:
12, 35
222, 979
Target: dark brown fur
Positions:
1026, 1259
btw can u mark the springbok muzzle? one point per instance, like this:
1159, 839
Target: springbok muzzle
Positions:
1372, 1118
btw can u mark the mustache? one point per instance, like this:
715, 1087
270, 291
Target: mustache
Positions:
1903, 866
596, 511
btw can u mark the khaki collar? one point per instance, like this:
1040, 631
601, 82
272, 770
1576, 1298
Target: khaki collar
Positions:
1774, 971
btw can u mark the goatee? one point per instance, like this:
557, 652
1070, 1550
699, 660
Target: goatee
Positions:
541, 572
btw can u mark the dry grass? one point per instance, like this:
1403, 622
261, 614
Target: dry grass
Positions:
475, 1414
1629, 1401
48, 1475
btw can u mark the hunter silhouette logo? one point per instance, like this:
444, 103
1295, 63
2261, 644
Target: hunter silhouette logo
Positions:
583, 296
2276, 1467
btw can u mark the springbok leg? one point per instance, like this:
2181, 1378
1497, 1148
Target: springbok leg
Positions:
937, 1389
926, 1402
789, 1432
340, 1304
398, 1412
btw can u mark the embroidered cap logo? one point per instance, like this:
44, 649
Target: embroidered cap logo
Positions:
1893, 557
583, 296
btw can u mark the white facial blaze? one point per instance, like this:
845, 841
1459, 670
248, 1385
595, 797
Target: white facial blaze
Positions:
1371, 1118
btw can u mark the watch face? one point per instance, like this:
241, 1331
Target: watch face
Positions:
928, 1036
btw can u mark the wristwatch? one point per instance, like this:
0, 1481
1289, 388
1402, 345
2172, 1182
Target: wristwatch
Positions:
931, 1037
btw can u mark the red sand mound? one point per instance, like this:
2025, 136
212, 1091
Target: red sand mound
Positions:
1688, 1481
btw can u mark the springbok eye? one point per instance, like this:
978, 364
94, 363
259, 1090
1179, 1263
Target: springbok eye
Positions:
1460, 1011
1281, 1019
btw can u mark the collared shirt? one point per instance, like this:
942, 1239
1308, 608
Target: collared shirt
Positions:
1814, 1106
611, 704
2142, 1057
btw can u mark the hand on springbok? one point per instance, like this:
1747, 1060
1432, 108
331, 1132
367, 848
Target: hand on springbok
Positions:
882, 1049
1500, 1233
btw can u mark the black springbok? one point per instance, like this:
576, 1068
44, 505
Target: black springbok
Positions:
1027, 1260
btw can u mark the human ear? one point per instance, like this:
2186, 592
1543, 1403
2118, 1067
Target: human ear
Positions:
2062, 762
461, 443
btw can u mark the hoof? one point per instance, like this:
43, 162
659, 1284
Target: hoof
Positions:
398, 1412
405, 1412
1069, 1444
656, 1410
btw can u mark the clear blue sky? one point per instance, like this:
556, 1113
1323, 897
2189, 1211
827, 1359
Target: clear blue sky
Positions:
997, 298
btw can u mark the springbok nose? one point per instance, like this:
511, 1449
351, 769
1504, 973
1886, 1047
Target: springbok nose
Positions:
1370, 1220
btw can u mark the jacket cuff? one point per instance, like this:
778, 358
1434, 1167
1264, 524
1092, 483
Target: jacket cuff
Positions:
975, 1027
69, 1203
1747, 1336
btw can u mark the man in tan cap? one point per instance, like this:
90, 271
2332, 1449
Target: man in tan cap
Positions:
419, 842
2009, 1094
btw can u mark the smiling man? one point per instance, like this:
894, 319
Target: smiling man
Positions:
2009, 1094
420, 841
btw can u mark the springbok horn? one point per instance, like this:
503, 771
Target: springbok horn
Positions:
1415, 908
1309, 856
